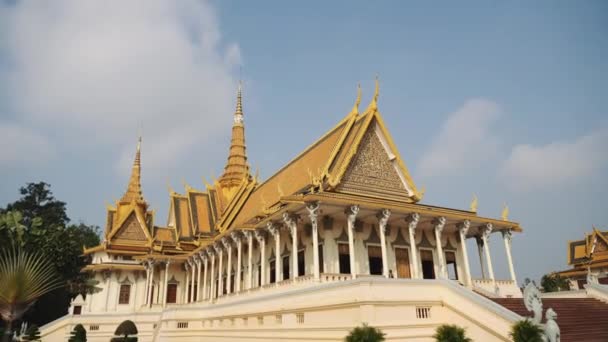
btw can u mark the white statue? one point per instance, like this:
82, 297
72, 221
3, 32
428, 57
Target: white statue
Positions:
533, 302
552, 333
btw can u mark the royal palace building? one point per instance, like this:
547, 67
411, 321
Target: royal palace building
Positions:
335, 238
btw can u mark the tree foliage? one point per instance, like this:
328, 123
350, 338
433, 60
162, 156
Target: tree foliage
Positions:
78, 334
24, 277
365, 333
32, 333
39, 222
526, 331
553, 282
450, 333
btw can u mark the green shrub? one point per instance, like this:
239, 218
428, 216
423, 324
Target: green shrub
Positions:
450, 333
365, 333
32, 333
526, 331
78, 334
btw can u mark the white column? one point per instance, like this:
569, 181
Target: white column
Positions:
220, 271
486, 234
228, 245
463, 228
212, 284
313, 208
290, 222
249, 259
147, 267
262, 247
439, 224
192, 267
198, 261
412, 222
479, 241
239, 261
185, 293
167, 263
383, 217
278, 262
205, 264
151, 284
351, 215
506, 237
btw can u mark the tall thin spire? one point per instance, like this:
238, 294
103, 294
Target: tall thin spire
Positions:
355, 109
236, 168
133, 192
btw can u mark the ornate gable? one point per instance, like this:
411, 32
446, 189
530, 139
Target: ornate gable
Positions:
372, 172
131, 230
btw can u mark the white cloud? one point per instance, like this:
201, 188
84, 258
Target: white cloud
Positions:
558, 164
21, 145
463, 139
96, 70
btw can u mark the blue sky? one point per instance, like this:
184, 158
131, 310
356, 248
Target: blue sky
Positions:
504, 100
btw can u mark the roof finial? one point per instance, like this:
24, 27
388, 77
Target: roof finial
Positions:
373, 106
133, 192
238, 114
355, 109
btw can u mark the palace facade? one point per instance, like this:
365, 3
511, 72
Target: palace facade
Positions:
335, 238
588, 259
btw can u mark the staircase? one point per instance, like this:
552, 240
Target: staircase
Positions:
579, 319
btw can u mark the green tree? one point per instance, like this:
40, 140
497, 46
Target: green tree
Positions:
365, 333
553, 282
78, 334
44, 228
526, 331
450, 333
24, 277
32, 333
125, 329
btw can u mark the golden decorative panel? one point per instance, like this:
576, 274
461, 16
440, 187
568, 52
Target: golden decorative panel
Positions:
131, 230
371, 171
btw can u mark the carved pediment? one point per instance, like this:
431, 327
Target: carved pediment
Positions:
131, 230
372, 172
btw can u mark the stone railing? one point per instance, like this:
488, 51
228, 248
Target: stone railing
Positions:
496, 288
597, 291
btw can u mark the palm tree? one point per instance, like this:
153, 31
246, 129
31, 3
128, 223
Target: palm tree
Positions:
450, 333
365, 333
526, 331
24, 277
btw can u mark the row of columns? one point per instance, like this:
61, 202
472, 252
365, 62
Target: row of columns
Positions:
200, 261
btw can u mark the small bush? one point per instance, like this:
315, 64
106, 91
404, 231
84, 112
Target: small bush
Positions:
78, 334
526, 331
450, 333
365, 333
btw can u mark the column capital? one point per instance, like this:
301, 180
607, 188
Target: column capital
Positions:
260, 237
439, 224
197, 259
383, 217
487, 230
247, 234
464, 226
203, 257
236, 237
313, 210
507, 234
168, 262
273, 229
227, 243
218, 248
351, 213
412, 221
290, 221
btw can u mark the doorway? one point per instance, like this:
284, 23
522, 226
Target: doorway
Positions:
402, 257
344, 258
450, 263
428, 265
374, 254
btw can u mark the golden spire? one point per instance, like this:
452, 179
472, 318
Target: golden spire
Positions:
373, 106
355, 109
133, 192
236, 168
